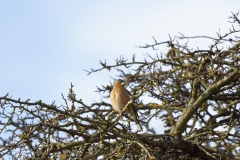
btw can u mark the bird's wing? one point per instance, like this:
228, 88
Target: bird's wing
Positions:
133, 105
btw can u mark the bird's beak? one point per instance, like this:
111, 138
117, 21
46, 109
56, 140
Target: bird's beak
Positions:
122, 83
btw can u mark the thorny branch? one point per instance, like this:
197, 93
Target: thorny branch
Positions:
196, 94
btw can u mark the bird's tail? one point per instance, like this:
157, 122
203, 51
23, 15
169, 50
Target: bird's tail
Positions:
134, 114
138, 123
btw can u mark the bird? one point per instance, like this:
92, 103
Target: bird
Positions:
119, 98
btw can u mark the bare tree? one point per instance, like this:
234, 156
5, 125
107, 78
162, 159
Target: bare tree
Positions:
198, 91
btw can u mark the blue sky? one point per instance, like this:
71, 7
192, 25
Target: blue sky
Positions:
45, 45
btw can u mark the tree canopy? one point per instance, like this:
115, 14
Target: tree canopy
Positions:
198, 95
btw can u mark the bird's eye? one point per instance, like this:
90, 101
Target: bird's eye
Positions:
121, 81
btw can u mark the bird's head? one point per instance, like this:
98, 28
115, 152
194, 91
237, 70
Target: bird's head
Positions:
119, 82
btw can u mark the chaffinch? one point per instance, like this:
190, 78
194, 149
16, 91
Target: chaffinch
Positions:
119, 98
